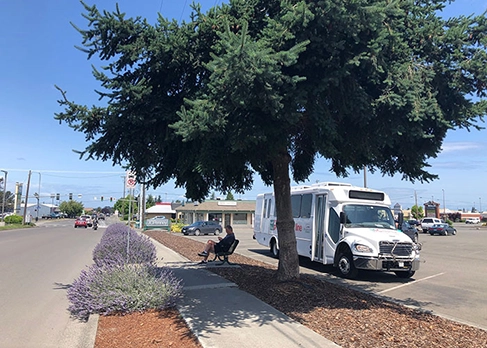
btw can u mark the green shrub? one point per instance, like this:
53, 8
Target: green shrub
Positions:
13, 219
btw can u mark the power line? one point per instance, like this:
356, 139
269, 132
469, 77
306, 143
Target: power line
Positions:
185, 2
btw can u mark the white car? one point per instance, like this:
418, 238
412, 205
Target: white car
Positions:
88, 219
473, 220
428, 222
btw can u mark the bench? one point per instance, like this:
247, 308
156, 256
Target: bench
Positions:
223, 255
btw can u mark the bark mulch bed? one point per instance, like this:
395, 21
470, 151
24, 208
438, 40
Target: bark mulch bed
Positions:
345, 316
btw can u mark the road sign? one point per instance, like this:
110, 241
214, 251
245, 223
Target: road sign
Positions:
130, 180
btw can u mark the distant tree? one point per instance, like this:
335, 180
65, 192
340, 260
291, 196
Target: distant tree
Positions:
417, 212
267, 86
159, 199
123, 204
107, 210
9, 198
150, 202
71, 208
213, 196
229, 196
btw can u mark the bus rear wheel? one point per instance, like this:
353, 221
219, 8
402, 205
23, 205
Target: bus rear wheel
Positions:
274, 249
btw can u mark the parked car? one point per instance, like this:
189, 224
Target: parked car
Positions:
52, 216
442, 229
89, 222
80, 222
414, 222
411, 231
472, 220
428, 222
202, 227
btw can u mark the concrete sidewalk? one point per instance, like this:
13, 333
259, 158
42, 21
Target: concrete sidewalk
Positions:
221, 315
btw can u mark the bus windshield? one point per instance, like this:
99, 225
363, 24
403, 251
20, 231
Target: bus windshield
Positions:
368, 216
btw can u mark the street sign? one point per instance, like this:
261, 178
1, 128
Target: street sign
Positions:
130, 180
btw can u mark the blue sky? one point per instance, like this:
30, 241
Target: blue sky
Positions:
37, 51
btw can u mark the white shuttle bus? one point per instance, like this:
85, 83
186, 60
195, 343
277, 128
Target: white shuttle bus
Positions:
339, 224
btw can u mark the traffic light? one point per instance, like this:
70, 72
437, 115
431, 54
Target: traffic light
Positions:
111, 198
70, 196
101, 198
57, 196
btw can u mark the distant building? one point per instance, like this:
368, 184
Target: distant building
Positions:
161, 209
235, 213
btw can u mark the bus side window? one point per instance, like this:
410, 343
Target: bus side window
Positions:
265, 209
334, 225
296, 205
306, 205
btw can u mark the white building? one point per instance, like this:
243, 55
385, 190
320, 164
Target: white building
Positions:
161, 209
34, 211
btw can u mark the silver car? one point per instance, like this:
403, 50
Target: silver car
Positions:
202, 227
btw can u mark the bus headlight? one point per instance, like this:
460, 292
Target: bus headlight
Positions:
362, 248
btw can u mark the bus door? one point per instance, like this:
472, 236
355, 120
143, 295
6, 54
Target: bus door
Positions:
319, 227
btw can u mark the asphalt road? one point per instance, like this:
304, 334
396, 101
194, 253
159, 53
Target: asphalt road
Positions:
451, 281
37, 265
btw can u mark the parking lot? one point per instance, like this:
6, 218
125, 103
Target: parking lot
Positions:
451, 280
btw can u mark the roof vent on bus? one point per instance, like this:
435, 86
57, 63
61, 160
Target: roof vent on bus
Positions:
321, 184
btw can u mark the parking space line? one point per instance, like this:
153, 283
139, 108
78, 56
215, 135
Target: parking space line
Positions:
416, 281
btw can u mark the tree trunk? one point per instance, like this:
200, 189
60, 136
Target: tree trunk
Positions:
288, 268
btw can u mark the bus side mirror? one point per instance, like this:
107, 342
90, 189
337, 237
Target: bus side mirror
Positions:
400, 220
343, 218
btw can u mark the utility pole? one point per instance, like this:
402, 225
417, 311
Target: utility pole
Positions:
123, 196
4, 192
444, 207
26, 198
365, 176
142, 206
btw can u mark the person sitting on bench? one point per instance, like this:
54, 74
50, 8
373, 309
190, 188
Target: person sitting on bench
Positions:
216, 247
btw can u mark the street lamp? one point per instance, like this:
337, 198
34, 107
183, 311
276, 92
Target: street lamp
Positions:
4, 191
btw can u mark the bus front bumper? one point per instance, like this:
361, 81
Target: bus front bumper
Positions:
386, 264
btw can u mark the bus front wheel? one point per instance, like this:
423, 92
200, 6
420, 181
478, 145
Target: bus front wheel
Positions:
345, 265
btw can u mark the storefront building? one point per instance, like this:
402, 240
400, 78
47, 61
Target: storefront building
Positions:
235, 213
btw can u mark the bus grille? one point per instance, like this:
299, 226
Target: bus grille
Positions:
396, 249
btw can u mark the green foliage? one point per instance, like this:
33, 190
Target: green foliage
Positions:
71, 208
280, 76
13, 219
150, 202
229, 197
123, 205
417, 212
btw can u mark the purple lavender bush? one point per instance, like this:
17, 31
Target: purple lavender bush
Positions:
116, 288
116, 240
121, 282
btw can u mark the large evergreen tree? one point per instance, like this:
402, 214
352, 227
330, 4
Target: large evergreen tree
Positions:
266, 86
